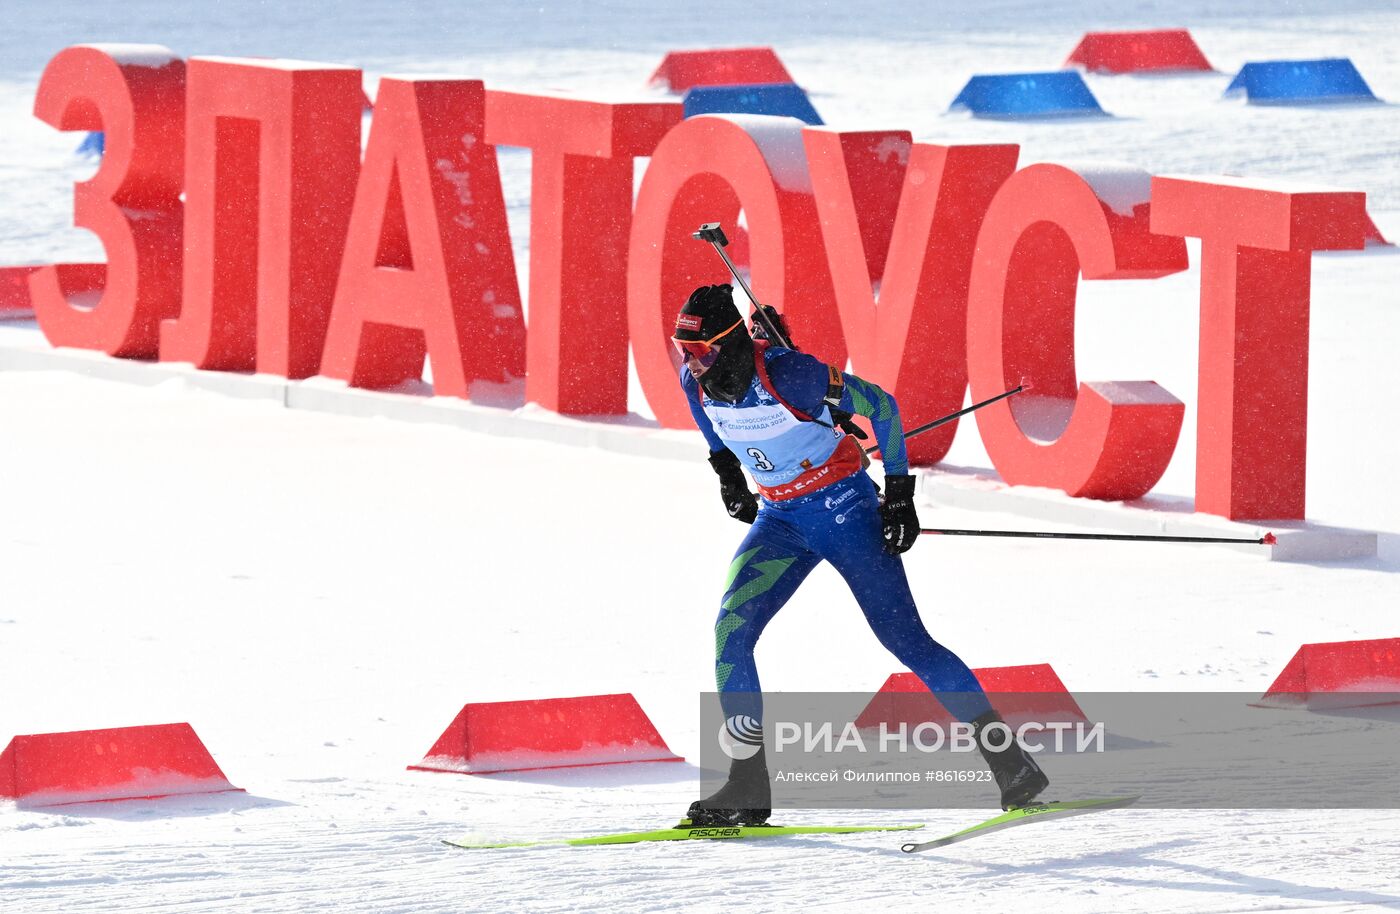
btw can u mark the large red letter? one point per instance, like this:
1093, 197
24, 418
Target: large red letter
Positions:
580, 218
1047, 224
134, 94
273, 147
428, 267
1257, 239
914, 344
705, 170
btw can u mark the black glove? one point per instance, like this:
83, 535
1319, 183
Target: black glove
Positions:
760, 328
898, 520
733, 487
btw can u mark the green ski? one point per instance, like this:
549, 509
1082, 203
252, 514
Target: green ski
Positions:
1036, 812
685, 832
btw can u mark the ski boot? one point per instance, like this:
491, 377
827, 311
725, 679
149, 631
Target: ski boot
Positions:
745, 799
1016, 772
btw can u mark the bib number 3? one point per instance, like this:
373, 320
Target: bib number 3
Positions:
760, 460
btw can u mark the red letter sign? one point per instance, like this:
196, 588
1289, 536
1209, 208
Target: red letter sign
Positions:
580, 218
135, 95
915, 343
705, 169
1256, 260
1097, 440
273, 150
428, 267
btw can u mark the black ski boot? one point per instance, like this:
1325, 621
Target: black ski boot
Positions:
1016, 773
745, 799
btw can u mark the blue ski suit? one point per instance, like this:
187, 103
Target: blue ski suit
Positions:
817, 504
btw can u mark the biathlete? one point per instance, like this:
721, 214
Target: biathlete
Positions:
779, 413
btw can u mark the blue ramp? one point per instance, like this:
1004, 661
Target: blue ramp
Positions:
1058, 93
1294, 82
761, 98
93, 144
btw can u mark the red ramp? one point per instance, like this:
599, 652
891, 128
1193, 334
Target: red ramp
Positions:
680, 70
1338, 674
1373, 235
490, 737
1032, 692
78, 280
1136, 52
84, 766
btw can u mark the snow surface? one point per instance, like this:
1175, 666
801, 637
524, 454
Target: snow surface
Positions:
137, 55
1118, 185
779, 139
276, 63
319, 595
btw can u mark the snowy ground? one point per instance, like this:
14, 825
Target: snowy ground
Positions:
319, 595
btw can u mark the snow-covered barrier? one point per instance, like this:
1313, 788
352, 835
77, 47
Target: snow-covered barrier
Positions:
1138, 51
14, 292
1300, 82
777, 99
680, 70
81, 283
1338, 674
1033, 692
1057, 93
83, 766
488, 737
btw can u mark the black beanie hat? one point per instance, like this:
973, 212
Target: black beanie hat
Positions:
708, 312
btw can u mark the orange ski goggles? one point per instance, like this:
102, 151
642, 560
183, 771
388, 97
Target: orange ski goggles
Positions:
700, 355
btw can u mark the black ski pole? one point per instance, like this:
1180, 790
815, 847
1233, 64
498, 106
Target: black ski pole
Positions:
1268, 539
712, 233
929, 426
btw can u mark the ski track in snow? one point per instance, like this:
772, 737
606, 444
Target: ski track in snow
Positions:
319, 595
287, 861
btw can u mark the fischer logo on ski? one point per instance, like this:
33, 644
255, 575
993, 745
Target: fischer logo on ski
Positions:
730, 832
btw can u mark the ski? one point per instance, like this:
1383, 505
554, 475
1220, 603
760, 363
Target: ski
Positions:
1036, 812
686, 832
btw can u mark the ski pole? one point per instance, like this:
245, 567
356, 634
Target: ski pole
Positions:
1268, 539
712, 233
929, 426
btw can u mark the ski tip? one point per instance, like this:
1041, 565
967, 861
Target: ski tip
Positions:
462, 844
1034, 812
1269, 540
